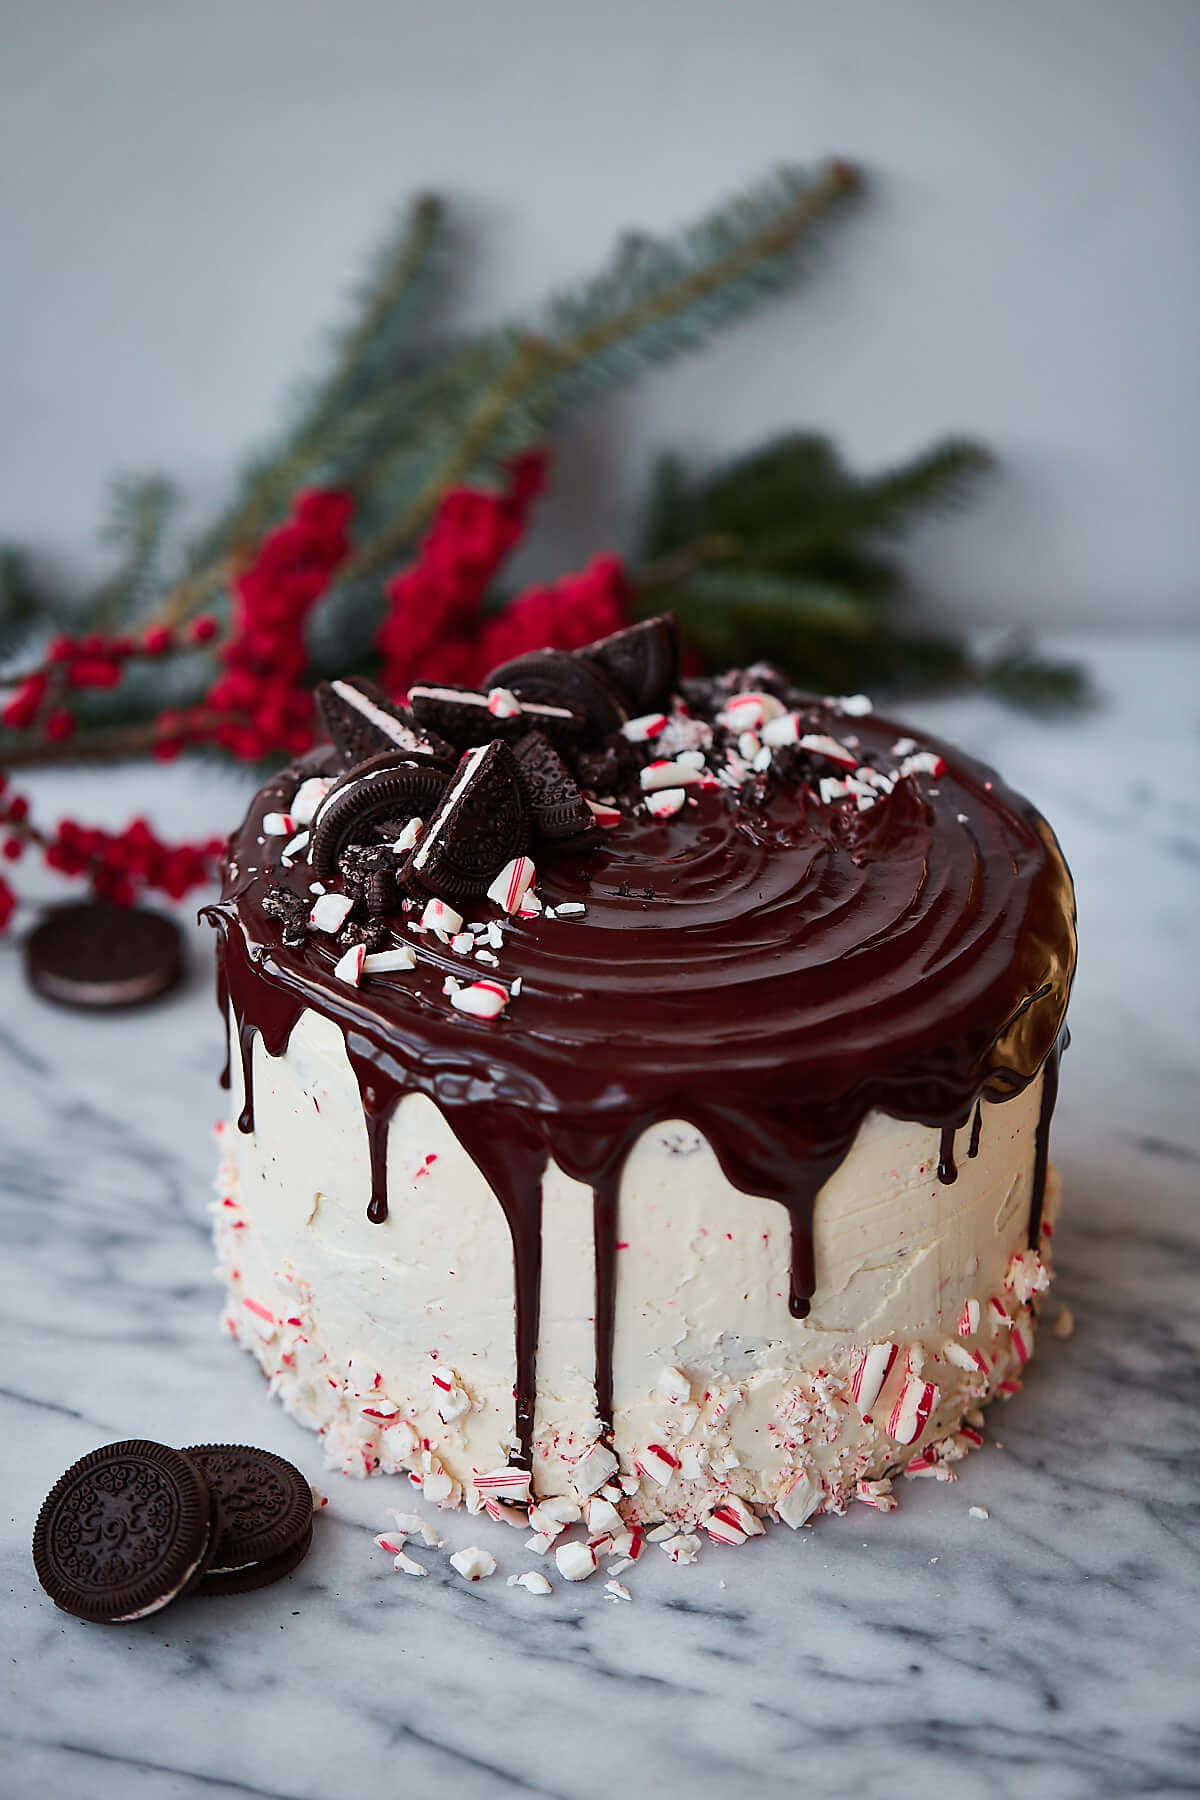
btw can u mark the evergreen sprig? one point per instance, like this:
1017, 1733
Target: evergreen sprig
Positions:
777, 555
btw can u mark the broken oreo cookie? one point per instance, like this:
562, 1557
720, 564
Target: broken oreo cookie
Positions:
363, 722
555, 679
125, 1531
642, 662
560, 812
385, 787
266, 1508
481, 824
291, 910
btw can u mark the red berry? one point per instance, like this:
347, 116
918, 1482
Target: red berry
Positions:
203, 629
60, 725
156, 641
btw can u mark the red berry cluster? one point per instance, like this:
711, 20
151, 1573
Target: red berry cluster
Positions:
259, 699
434, 628
94, 661
120, 864
432, 623
123, 863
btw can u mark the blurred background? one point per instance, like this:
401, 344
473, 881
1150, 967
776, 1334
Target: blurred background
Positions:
186, 191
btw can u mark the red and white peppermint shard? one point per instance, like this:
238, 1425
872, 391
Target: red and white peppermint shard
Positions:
606, 817
279, 824
350, 967
575, 1561
829, 748
666, 802
483, 999
507, 1483
910, 1414
746, 712
968, 1321
667, 774
1022, 1342
408, 837
502, 703
329, 912
871, 1370
513, 883
440, 916
783, 730
387, 962
924, 762
641, 730
656, 1464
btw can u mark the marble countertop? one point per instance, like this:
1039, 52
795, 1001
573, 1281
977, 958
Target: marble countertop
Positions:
1052, 1650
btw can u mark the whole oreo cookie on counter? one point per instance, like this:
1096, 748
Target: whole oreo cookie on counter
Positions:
266, 1516
95, 955
125, 1531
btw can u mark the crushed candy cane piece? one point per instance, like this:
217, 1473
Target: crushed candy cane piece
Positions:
462, 943
783, 730
664, 803
923, 762
575, 1561
683, 1549
570, 909
308, 797
857, 705
279, 824
530, 906
968, 1321
656, 1463
349, 967
387, 962
473, 1564
745, 712
482, 999
910, 1413
509, 1483
603, 1517
513, 883
294, 848
441, 917
643, 728
617, 1590
330, 911
413, 1525
502, 703
871, 1370
673, 1384
606, 817
876, 1494
593, 1469
978, 1512
667, 774
408, 837
828, 747
533, 1581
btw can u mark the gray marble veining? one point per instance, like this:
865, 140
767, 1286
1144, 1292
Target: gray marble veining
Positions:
1050, 1651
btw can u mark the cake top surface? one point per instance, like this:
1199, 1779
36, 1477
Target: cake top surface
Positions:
626, 896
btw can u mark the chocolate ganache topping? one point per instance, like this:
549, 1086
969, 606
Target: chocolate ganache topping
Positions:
784, 913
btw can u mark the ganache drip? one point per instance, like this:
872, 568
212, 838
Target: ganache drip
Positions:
768, 970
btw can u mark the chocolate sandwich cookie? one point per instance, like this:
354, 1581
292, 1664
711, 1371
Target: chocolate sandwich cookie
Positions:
481, 824
266, 1516
384, 787
642, 662
557, 679
561, 815
125, 1531
362, 721
97, 955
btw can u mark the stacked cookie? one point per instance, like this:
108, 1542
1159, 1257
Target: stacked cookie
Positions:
135, 1525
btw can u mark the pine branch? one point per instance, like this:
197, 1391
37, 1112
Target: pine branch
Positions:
391, 301
141, 511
